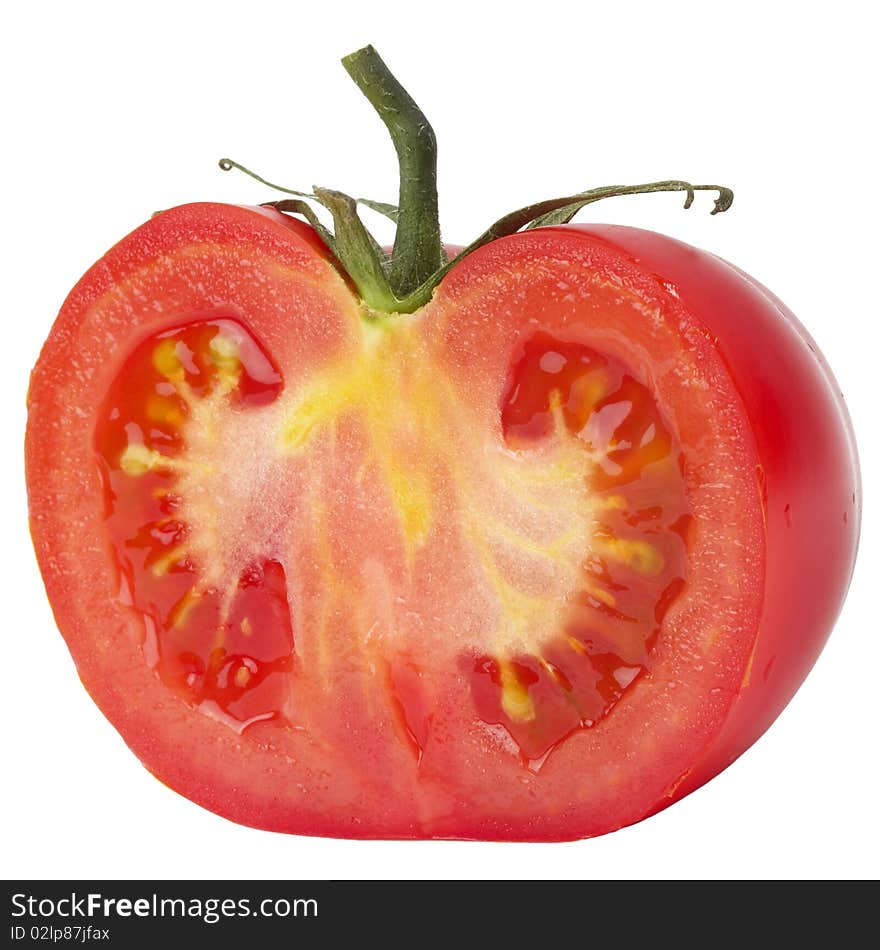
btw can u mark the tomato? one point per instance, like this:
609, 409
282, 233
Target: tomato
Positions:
529, 562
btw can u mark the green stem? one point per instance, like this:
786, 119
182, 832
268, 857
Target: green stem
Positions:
418, 263
418, 248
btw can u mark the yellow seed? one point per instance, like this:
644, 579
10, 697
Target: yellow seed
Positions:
515, 699
587, 391
167, 362
167, 561
223, 348
137, 459
601, 594
559, 423
246, 627
224, 353
242, 676
639, 555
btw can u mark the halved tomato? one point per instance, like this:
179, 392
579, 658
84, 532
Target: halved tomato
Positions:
531, 562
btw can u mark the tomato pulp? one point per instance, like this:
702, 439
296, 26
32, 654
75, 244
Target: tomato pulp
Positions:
529, 563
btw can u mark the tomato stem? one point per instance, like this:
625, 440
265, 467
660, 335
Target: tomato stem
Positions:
418, 249
406, 281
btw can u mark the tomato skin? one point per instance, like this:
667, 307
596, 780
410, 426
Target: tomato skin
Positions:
785, 393
810, 476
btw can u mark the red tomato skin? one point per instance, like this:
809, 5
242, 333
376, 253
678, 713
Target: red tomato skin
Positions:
809, 474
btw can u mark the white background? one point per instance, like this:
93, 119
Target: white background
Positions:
113, 111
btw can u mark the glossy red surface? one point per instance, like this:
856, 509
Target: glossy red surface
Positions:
809, 477
374, 531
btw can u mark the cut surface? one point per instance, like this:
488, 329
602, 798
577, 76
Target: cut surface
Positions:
489, 570
566, 525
